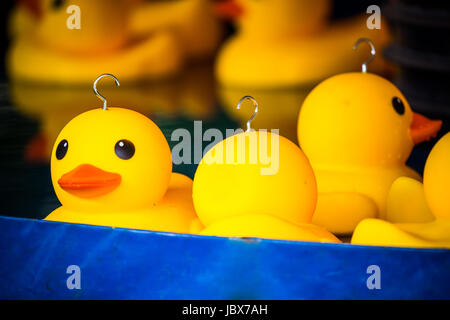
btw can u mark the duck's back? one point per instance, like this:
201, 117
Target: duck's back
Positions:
372, 182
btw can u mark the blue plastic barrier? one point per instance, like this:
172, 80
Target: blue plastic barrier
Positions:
120, 263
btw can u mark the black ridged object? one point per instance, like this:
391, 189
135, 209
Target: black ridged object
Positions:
421, 51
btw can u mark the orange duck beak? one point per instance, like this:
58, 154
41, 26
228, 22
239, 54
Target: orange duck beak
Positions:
228, 9
33, 6
87, 181
423, 129
36, 149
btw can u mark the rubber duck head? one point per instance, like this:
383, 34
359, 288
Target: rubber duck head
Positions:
360, 119
274, 17
103, 24
255, 172
114, 159
436, 179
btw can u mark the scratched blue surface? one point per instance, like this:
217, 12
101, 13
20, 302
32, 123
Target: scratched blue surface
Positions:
131, 264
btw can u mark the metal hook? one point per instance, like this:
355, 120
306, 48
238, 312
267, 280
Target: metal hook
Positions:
96, 91
255, 104
372, 52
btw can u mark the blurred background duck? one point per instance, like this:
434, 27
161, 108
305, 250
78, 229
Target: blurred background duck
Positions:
358, 130
194, 22
112, 36
409, 196
289, 43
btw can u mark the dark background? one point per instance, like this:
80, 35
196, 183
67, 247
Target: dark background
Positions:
5, 7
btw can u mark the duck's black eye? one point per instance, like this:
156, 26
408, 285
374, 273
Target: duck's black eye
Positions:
398, 105
56, 4
61, 149
124, 149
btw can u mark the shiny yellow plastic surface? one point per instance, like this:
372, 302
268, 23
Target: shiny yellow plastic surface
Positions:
291, 43
436, 186
357, 144
436, 179
406, 202
147, 195
237, 196
435, 234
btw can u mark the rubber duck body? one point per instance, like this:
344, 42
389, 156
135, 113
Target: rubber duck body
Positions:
51, 52
283, 43
357, 130
435, 191
235, 196
113, 168
198, 30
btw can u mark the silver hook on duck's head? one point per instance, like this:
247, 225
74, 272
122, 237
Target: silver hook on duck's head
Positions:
255, 104
96, 91
372, 52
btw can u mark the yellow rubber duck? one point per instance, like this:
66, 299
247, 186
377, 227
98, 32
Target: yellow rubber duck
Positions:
108, 38
289, 43
435, 191
358, 130
112, 167
257, 184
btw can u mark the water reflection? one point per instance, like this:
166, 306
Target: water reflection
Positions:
186, 98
